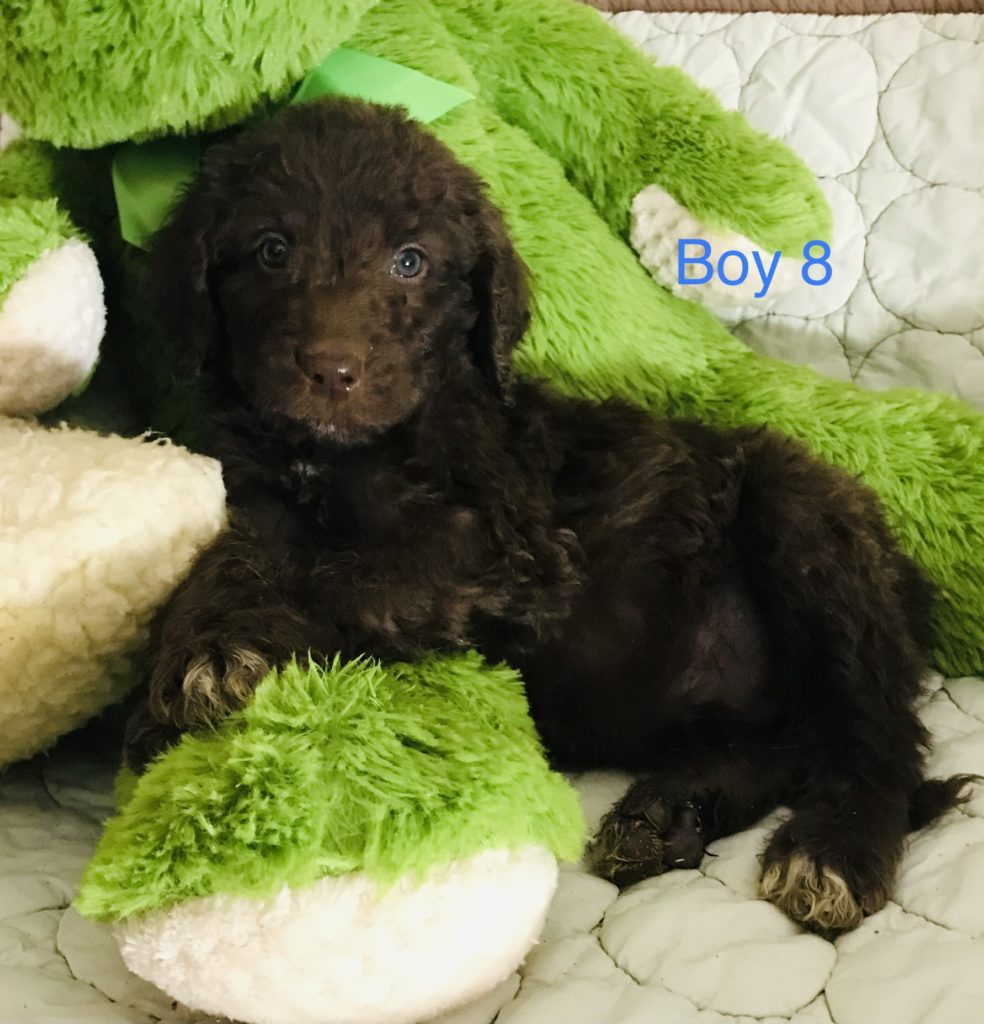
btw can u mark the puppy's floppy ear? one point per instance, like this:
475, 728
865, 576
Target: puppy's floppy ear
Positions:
499, 289
181, 258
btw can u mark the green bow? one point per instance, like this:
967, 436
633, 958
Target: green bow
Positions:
148, 176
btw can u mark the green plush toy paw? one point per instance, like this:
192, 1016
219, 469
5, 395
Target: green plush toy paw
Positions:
327, 854
51, 306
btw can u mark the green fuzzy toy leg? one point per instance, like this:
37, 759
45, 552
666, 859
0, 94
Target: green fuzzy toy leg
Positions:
32, 219
617, 123
29, 228
354, 768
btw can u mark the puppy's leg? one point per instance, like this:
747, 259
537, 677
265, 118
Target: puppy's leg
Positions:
701, 792
829, 865
848, 615
145, 737
222, 631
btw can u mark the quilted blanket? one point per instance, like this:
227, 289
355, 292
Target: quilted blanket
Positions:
888, 112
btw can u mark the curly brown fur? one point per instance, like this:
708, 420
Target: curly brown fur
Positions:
716, 609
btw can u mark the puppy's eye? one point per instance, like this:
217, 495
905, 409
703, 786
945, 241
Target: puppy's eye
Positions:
408, 262
273, 250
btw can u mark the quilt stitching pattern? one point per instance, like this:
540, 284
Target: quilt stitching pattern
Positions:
883, 108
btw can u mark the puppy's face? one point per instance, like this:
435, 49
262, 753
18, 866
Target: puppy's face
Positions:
339, 266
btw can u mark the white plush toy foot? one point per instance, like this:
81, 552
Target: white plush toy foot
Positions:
51, 323
657, 225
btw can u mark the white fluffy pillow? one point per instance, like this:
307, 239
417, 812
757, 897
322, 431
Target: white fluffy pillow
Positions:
95, 532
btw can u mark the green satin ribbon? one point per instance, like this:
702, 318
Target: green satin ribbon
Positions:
148, 176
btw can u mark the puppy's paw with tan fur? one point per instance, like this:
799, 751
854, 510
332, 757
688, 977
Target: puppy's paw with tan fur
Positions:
208, 662
829, 891
206, 680
219, 682
816, 896
190, 689
198, 680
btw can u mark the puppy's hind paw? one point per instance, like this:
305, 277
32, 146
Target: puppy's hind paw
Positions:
816, 896
626, 851
636, 842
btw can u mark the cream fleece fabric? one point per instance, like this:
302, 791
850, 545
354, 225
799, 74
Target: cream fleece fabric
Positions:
95, 532
51, 324
345, 951
658, 221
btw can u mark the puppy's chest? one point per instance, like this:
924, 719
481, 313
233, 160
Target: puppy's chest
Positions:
338, 507
396, 562
362, 505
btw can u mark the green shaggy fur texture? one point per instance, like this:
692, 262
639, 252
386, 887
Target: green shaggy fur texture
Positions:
351, 768
653, 120
29, 228
86, 74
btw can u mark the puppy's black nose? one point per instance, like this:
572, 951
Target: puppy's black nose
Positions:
335, 373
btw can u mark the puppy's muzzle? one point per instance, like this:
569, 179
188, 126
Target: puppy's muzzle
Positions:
334, 374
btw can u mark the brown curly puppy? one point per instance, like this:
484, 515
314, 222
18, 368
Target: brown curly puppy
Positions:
715, 609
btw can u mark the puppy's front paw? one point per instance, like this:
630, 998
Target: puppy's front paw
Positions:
206, 681
218, 683
191, 687
637, 840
